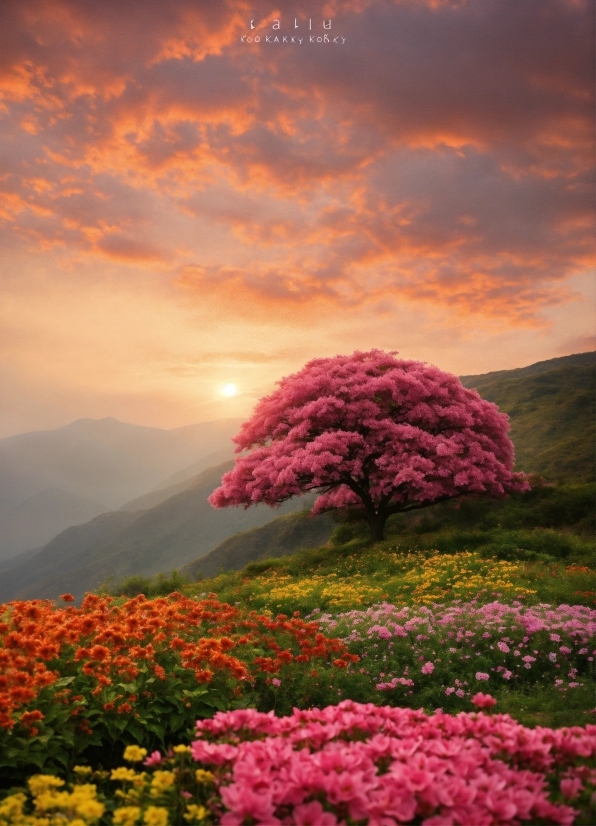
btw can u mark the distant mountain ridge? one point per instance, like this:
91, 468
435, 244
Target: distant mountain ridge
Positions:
124, 543
92, 466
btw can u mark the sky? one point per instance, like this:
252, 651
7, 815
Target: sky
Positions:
184, 208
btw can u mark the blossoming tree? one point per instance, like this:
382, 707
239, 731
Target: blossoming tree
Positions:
372, 431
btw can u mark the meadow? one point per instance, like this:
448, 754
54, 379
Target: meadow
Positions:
350, 629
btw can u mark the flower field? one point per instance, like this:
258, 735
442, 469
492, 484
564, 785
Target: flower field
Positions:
89, 680
348, 763
440, 656
396, 650
336, 582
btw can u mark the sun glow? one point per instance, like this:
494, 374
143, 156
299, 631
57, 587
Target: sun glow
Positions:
229, 390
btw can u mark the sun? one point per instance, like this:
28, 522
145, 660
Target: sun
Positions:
229, 390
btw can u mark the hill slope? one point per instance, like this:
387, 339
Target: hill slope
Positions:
552, 407
52, 479
282, 536
124, 543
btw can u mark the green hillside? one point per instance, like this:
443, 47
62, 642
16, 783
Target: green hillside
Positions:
552, 407
284, 535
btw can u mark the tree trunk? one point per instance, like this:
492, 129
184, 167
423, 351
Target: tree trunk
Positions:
377, 526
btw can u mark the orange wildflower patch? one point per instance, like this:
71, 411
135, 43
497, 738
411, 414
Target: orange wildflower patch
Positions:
105, 643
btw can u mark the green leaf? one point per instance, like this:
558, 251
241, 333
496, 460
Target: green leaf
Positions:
63, 681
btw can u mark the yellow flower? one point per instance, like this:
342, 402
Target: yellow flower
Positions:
51, 800
195, 813
122, 773
12, 807
82, 770
161, 781
204, 776
90, 809
126, 815
134, 754
156, 816
181, 749
40, 783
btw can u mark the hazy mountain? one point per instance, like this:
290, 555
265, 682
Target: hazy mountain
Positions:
552, 407
103, 459
280, 537
120, 544
37, 519
210, 460
177, 482
52, 479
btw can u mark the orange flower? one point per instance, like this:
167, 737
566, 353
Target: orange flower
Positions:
29, 717
100, 653
66, 597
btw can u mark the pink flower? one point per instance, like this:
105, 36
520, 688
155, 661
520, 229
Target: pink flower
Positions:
480, 675
308, 768
570, 787
427, 668
483, 700
312, 814
276, 682
153, 759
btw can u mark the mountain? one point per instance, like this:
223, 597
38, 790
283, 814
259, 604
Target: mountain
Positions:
280, 537
210, 460
93, 465
552, 408
41, 516
177, 482
124, 543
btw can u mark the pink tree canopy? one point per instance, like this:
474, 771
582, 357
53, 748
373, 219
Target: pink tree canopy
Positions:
372, 431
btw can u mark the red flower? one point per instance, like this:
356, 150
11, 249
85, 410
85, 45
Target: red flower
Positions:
67, 597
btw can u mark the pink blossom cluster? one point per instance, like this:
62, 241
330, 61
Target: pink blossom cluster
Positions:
370, 428
493, 642
386, 766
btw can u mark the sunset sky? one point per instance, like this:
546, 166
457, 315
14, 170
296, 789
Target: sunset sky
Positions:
182, 211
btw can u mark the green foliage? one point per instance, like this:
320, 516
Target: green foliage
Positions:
158, 586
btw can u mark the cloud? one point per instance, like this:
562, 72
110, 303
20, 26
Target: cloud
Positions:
442, 155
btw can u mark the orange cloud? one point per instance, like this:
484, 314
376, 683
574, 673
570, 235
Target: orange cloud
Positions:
443, 156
